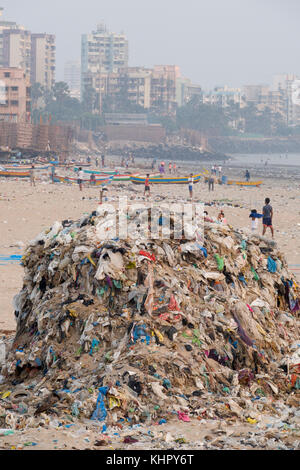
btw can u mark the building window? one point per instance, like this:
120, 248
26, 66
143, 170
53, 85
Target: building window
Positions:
14, 88
14, 103
6, 74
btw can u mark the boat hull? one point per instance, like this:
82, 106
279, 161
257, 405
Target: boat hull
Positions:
97, 172
158, 180
68, 180
15, 174
245, 183
24, 168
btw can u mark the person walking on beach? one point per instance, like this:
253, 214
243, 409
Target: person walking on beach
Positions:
191, 184
52, 173
247, 175
147, 186
103, 161
174, 168
170, 167
211, 183
32, 176
103, 190
268, 217
92, 179
97, 162
80, 178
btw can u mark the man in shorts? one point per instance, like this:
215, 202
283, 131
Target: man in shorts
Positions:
80, 178
268, 217
147, 186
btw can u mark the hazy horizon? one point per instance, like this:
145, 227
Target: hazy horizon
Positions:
237, 42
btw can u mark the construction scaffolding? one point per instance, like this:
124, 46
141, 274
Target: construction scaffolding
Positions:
41, 138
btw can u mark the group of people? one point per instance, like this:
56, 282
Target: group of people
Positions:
126, 161
216, 170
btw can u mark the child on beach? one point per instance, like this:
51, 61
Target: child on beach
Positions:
191, 184
254, 219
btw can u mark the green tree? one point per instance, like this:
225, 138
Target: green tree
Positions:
61, 91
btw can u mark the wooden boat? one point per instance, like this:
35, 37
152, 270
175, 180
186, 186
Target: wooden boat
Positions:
164, 180
97, 172
15, 174
123, 177
245, 183
25, 167
68, 180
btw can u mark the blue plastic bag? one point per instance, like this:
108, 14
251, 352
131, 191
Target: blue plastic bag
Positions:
100, 412
272, 267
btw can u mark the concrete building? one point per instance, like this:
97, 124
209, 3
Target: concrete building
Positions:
43, 59
137, 81
15, 104
163, 89
17, 49
6, 25
72, 76
289, 85
254, 92
224, 97
186, 90
34, 53
102, 53
132, 84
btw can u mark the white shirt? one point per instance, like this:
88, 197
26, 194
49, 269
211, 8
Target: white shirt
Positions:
191, 181
254, 224
80, 175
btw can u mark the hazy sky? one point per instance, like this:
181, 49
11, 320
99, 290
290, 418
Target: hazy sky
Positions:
215, 42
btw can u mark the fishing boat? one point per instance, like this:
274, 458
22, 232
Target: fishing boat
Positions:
123, 177
159, 180
25, 167
97, 172
245, 183
67, 180
15, 174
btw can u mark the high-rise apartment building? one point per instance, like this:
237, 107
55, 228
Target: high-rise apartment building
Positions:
102, 52
6, 25
34, 53
43, 59
17, 49
72, 76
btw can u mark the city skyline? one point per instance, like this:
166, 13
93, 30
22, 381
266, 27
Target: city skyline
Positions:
214, 44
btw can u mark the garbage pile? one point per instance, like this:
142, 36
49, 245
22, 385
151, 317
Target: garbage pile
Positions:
117, 330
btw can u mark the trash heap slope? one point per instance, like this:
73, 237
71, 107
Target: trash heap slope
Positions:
116, 329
